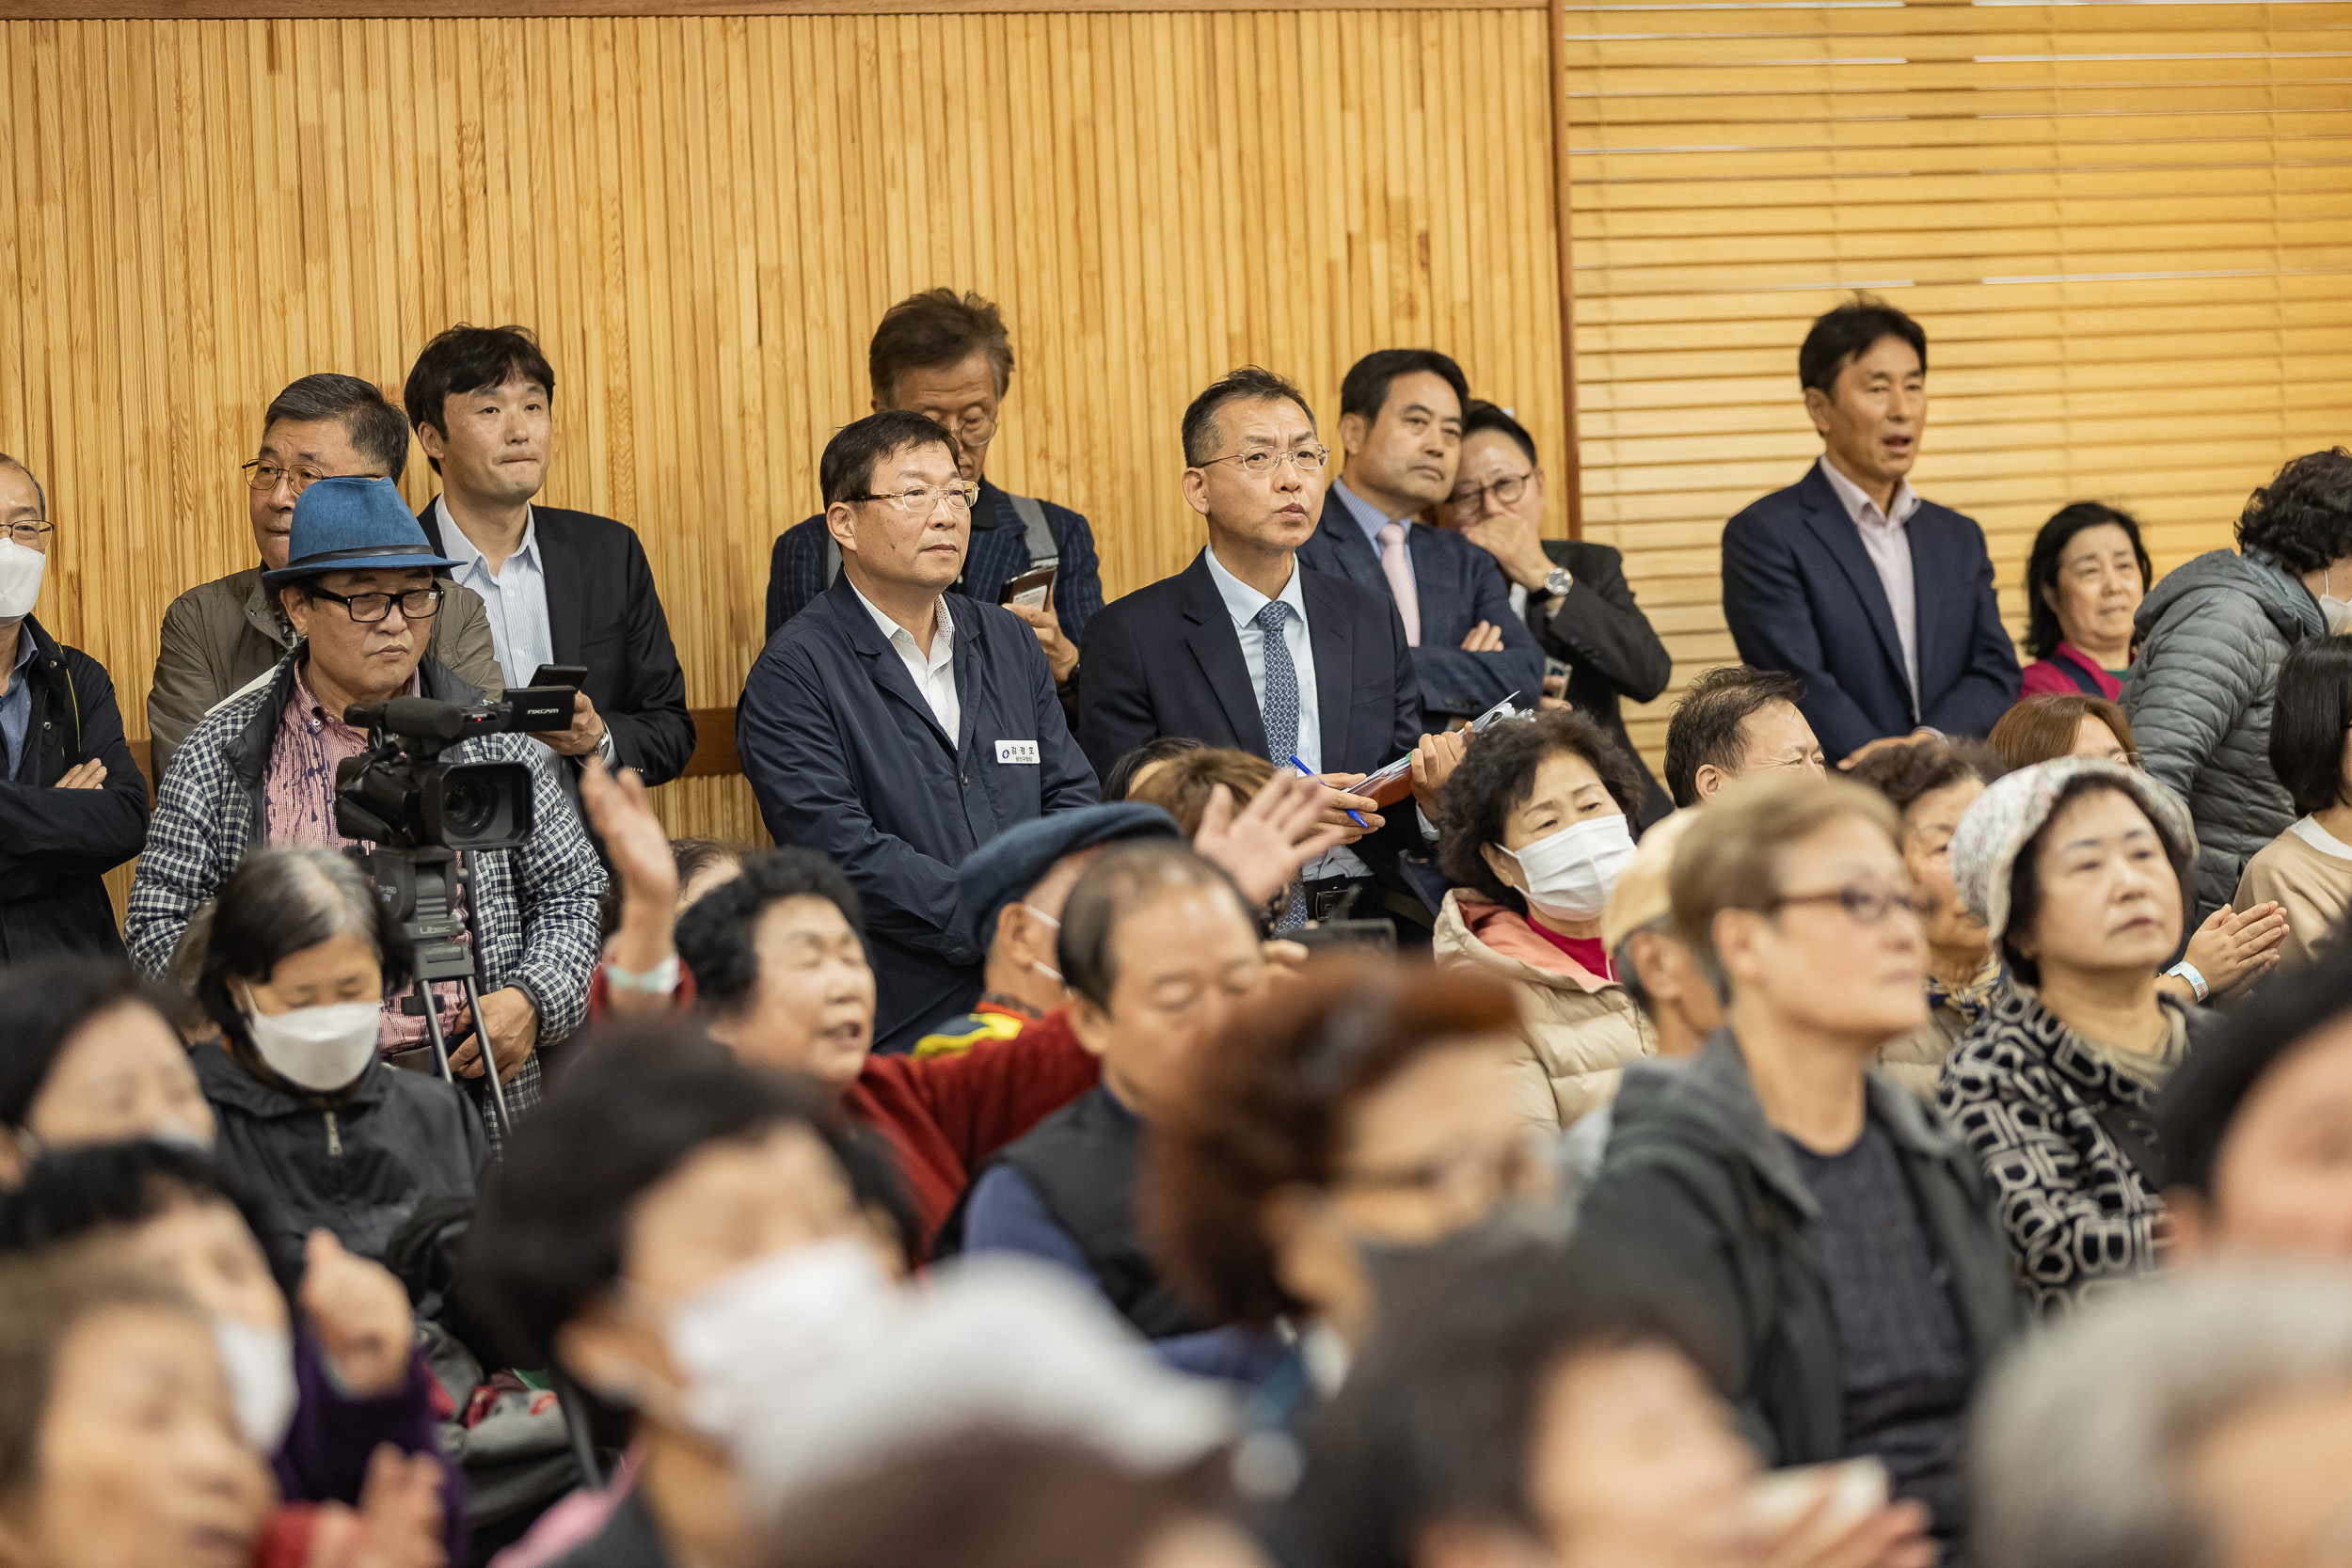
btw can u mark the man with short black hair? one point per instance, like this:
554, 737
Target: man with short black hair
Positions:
561, 587
896, 726
223, 635
1881, 603
949, 357
1401, 427
1734, 721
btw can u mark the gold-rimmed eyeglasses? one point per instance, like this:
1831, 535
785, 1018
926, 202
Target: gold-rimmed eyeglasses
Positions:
917, 501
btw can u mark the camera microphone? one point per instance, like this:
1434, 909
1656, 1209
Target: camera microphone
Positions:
414, 716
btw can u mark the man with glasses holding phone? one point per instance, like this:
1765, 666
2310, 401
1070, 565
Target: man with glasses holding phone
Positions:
896, 725
73, 806
225, 634
362, 587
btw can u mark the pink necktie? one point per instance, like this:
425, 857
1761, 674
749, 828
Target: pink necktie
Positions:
1399, 571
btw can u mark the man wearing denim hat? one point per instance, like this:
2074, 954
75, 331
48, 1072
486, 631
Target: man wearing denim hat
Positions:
360, 588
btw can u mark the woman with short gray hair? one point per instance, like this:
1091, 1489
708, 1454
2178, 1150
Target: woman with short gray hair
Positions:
300, 957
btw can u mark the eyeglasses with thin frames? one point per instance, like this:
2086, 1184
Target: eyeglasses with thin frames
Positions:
415, 604
1308, 461
1867, 906
260, 474
28, 531
918, 500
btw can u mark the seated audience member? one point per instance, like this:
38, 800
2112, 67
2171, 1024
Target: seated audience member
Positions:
895, 726
1181, 785
949, 358
561, 587
1882, 604
1579, 1426
1401, 433
1333, 1128
703, 864
2074, 868
2063, 724
123, 1446
2205, 1421
72, 801
1250, 649
2255, 1123
1262, 826
261, 768
1012, 890
647, 1229
1778, 1155
1001, 1500
321, 1363
221, 636
311, 1116
2230, 947
1931, 782
2084, 582
1571, 592
87, 1056
1733, 722
774, 962
2212, 636
1157, 946
2307, 870
1129, 773
1536, 835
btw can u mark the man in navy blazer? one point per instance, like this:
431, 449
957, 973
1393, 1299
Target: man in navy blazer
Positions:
1881, 603
1401, 426
896, 727
1190, 655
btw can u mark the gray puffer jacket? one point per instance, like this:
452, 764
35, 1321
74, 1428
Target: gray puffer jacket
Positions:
2213, 634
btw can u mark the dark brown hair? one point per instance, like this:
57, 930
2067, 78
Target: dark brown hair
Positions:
1266, 1105
1705, 727
2041, 728
936, 328
1495, 777
1182, 784
1906, 772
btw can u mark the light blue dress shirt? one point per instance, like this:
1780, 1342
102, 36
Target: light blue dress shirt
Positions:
1243, 602
1368, 517
16, 706
515, 596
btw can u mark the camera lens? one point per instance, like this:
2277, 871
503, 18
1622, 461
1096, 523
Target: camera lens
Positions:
468, 807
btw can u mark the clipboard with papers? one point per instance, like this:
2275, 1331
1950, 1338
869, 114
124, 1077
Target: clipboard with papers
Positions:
1394, 781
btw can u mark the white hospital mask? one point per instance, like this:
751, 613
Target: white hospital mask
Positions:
1569, 873
259, 1363
1048, 970
319, 1048
21, 568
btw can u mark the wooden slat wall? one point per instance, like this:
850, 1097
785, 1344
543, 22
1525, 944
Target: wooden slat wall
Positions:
2127, 229
702, 217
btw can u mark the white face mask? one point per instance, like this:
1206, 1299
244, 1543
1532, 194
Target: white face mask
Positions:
746, 1338
322, 1049
1569, 873
1048, 970
19, 578
260, 1366
2339, 611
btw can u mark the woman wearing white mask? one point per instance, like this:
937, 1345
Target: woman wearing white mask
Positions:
299, 960
87, 1056
1536, 830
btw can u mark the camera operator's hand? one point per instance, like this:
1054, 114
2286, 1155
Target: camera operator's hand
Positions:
586, 734
512, 1024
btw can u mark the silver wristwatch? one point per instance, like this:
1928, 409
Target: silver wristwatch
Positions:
1558, 581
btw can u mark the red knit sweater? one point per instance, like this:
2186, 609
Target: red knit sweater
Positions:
945, 1116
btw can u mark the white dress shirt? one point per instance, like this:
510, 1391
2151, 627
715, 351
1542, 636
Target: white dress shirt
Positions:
934, 672
515, 596
1243, 603
1887, 541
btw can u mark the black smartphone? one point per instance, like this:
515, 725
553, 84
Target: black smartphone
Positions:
560, 674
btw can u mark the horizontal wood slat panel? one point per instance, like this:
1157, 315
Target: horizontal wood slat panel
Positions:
241, 11
703, 219
2127, 228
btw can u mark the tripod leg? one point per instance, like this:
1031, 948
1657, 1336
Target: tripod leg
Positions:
433, 1033
489, 1062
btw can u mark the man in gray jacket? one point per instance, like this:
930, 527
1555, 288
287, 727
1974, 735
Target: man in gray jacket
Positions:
228, 633
2213, 634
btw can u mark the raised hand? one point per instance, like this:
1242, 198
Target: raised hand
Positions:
1264, 845
361, 1314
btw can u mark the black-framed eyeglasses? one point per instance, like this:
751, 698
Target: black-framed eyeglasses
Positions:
28, 531
919, 500
1264, 460
415, 604
1866, 904
1507, 491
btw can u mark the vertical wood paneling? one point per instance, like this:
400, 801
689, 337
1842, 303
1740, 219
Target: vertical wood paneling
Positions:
702, 218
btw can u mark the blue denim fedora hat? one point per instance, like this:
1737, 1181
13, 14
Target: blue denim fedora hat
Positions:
350, 524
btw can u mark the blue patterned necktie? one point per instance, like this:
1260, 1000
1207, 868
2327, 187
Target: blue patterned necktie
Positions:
1280, 709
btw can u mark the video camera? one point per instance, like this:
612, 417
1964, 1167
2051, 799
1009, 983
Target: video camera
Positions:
400, 794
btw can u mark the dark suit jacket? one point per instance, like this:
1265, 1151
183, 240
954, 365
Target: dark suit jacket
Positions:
604, 613
846, 758
1611, 652
1165, 660
1458, 585
1802, 595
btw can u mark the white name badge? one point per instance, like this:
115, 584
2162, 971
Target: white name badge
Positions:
1017, 751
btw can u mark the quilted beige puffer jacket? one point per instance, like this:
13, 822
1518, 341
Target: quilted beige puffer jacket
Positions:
1582, 1028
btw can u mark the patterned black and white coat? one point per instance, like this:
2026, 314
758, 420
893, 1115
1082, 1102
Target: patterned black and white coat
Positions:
2027, 1094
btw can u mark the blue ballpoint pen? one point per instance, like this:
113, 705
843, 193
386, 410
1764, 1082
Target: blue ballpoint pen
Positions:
1309, 773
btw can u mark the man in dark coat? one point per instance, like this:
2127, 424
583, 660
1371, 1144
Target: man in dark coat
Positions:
72, 802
